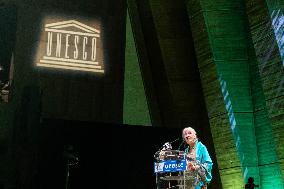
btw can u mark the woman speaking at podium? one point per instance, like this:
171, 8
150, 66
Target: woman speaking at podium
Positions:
199, 163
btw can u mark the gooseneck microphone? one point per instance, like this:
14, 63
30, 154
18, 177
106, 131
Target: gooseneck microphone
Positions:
177, 139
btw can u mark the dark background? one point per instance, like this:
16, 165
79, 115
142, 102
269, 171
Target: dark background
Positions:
110, 155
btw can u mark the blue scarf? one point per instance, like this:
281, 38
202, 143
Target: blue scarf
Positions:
203, 158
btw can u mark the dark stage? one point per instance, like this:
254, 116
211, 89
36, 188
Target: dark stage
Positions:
110, 156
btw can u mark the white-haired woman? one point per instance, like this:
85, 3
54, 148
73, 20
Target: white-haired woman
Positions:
199, 163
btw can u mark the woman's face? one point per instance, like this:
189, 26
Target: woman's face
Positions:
189, 136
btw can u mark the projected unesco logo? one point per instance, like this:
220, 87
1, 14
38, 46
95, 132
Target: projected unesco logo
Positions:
71, 45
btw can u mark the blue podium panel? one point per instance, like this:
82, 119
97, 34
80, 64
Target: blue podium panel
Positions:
170, 166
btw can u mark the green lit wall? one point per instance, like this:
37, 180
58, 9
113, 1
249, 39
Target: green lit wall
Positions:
230, 60
269, 102
135, 107
214, 34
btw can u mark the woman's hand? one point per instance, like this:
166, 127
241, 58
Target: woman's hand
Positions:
192, 166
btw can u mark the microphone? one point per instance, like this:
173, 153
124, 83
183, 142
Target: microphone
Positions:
174, 140
168, 145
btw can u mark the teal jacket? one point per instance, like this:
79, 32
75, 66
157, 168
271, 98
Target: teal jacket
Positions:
202, 158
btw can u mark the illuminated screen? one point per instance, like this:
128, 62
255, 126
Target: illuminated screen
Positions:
70, 45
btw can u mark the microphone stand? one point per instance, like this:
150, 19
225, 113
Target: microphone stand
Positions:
70, 159
67, 175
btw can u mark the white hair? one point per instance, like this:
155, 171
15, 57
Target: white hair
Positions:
188, 128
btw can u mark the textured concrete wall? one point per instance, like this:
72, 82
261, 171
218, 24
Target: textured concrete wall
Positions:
251, 106
220, 43
268, 85
179, 61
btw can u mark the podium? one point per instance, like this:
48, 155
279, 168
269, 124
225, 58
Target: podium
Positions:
171, 170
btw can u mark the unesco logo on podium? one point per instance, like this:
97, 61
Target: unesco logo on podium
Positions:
71, 45
170, 166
